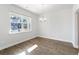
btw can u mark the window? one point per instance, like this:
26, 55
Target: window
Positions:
19, 23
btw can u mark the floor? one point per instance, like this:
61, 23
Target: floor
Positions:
41, 46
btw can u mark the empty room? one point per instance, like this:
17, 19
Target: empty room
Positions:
39, 29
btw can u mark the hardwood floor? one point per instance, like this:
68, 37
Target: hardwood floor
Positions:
41, 46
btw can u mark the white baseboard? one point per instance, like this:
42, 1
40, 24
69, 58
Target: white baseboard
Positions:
54, 38
75, 45
9, 45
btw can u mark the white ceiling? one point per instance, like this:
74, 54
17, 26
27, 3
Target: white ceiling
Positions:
42, 8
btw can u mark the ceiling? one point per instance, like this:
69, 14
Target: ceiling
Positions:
42, 8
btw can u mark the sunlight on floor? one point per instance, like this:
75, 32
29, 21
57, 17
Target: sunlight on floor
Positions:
29, 49
32, 48
23, 53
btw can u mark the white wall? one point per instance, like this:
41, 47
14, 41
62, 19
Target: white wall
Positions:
7, 39
59, 25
